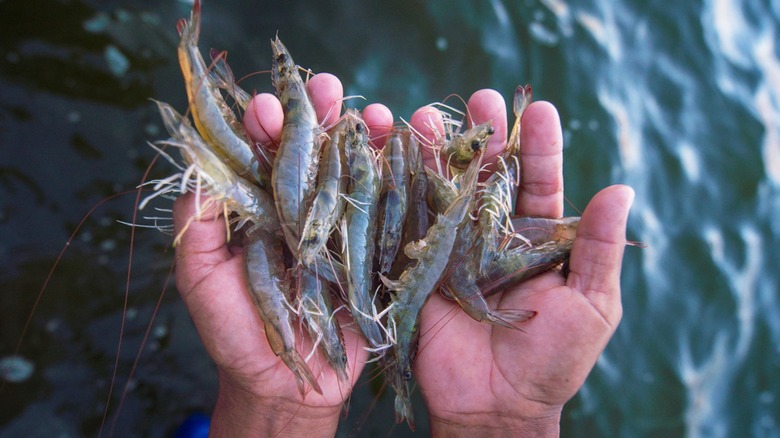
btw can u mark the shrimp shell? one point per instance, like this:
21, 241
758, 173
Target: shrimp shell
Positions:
216, 122
360, 217
328, 203
265, 275
394, 199
295, 168
416, 283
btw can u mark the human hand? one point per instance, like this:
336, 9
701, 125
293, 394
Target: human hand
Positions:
489, 380
257, 392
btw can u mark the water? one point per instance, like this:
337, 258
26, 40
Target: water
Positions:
679, 101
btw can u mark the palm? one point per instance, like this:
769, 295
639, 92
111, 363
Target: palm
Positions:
233, 333
506, 370
535, 370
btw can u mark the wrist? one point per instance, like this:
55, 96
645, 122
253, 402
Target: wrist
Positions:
240, 413
495, 424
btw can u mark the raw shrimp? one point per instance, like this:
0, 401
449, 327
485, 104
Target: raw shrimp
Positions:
394, 199
462, 147
263, 259
462, 285
415, 285
525, 261
219, 181
216, 122
317, 310
295, 167
498, 195
328, 203
360, 231
263, 249
416, 224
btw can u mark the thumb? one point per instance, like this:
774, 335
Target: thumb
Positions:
597, 254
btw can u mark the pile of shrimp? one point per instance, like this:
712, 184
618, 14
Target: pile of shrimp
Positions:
327, 222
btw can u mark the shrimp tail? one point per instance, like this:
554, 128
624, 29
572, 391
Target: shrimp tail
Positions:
403, 411
507, 318
302, 373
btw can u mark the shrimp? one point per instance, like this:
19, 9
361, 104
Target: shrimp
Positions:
219, 181
462, 147
416, 224
360, 231
394, 199
500, 189
222, 76
523, 262
216, 122
462, 286
415, 285
461, 283
295, 167
328, 203
317, 310
263, 260
533, 231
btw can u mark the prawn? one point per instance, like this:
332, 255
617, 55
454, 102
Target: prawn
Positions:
216, 122
415, 285
323, 327
295, 166
263, 253
462, 147
500, 188
219, 181
360, 230
264, 263
394, 199
461, 283
548, 249
416, 223
328, 203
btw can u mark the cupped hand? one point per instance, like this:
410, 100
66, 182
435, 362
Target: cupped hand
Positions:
258, 393
479, 378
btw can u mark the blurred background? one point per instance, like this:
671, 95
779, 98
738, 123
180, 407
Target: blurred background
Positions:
680, 100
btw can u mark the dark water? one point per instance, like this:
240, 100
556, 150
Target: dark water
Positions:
680, 101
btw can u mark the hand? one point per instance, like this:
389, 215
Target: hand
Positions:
258, 394
487, 380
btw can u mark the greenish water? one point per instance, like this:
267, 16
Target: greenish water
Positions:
680, 101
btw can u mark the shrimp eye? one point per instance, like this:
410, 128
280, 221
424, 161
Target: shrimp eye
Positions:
359, 128
491, 130
475, 145
407, 375
282, 58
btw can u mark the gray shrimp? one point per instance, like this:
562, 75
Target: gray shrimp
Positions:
394, 199
415, 285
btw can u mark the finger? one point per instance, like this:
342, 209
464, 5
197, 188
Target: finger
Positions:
488, 105
597, 254
379, 120
541, 161
326, 93
428, 125
263, 119
202, 238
